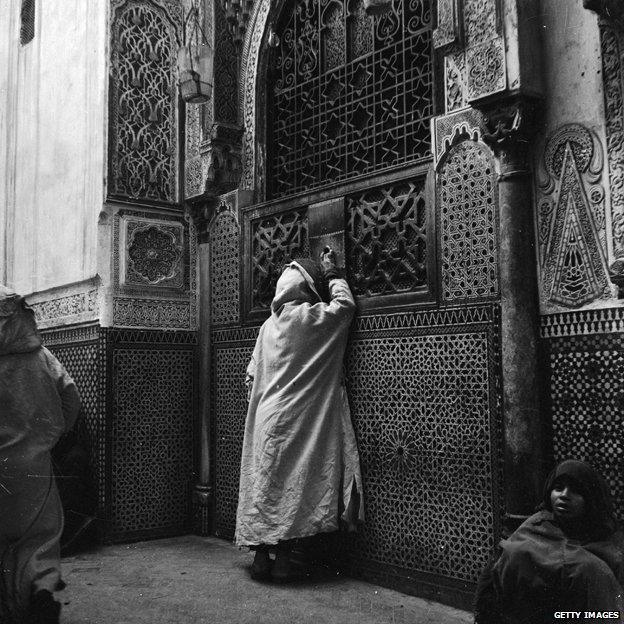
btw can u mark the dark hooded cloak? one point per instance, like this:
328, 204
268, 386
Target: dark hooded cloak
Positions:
545, 566
38, 403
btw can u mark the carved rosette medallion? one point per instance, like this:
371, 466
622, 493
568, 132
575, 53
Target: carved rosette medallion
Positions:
571, 219
154, 254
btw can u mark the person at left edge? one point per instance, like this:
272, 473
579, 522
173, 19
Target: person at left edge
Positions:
38, 403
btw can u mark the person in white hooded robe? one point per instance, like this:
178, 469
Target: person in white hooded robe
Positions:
300, 469
38, 403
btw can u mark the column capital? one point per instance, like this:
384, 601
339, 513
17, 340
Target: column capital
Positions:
610, 10
201, 209
510, 120
510, 125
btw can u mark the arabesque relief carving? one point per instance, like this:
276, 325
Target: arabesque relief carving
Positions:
571, 219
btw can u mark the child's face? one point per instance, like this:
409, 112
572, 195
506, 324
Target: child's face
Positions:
566, 501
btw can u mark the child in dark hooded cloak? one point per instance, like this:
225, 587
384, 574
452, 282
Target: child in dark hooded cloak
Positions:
569, 556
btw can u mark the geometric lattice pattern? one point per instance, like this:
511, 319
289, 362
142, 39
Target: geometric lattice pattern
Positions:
588, 405
230, 404
276, 240
468, 224
422, 409
224, 267
352, 94
423, 404
143, 124
386, 240
151, 440
80, 352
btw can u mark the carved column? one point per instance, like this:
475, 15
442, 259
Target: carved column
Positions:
203, 495
509, 128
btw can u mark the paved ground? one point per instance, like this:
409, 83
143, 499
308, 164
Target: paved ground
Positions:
195, 580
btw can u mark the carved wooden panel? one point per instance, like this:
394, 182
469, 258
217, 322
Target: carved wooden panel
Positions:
386, 236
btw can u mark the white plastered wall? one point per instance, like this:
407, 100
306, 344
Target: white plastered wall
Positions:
52, 142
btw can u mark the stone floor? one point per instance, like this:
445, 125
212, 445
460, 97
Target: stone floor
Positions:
199, 580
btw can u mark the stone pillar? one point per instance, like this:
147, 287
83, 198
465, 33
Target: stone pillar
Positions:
509, 126
203, 495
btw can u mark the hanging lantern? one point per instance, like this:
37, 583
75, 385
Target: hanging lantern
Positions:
195, 71
195, 59
377, 7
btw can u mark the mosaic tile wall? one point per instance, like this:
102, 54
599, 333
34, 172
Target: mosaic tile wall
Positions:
587, 397
139, 395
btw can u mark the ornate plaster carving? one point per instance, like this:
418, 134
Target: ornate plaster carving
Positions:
455, 81
154, 254
144, 117
612, 42
451, 129
68, 304
154, 270
248, 84
486, 67
477, 69
448, 31
571, 219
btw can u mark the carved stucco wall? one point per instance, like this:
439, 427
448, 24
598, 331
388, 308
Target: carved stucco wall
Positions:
152, 246
473, 50
573, 203
578, 163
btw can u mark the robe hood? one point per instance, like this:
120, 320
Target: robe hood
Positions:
599, 518
18, 329
295, 285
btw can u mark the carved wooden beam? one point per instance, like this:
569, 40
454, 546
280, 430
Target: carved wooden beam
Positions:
509, 127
